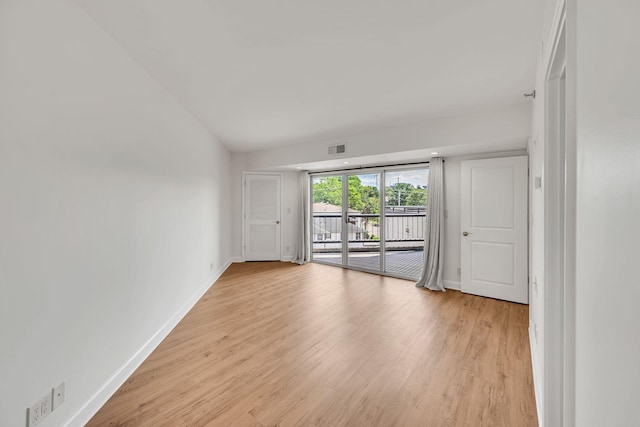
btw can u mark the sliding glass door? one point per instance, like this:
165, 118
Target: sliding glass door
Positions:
363, 222
327, 219
405, 217
371, 221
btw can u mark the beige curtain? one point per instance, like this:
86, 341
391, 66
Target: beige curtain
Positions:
434, 231
303, 250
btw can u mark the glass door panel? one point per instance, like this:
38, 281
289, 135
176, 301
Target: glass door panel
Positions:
327, 213
363, 221
406, 193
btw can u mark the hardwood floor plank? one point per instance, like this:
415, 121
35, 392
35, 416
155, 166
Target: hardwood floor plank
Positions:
276, 344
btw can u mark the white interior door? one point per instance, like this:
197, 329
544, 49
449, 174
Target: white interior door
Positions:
494, 228
262, 217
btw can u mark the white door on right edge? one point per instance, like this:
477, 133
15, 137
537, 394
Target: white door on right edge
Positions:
494, 228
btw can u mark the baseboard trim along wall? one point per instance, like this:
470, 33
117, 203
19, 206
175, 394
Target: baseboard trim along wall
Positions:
286, 258
536, 383
450, 284
92, 406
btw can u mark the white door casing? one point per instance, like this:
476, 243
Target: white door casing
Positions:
494, 247
262, 209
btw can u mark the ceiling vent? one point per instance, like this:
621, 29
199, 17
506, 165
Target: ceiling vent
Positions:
338, 149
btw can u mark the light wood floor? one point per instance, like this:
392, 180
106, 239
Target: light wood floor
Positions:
280, 344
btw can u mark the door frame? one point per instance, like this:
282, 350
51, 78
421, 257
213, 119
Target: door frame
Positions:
244, 212
559, 235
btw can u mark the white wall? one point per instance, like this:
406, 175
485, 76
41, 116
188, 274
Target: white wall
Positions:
497, 129
114, 203
291, 204
606, 67
238, 165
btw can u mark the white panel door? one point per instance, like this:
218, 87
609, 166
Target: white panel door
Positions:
494, 228
262, 217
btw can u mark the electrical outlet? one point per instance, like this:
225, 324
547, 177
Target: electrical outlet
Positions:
459, 271
40, 410
34, 415
45, 406
58, 396
286, 249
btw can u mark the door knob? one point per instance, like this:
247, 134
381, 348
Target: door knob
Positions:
465, 233
277, 222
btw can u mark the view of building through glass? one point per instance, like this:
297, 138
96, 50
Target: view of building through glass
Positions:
354, 235
363, 250
327, 219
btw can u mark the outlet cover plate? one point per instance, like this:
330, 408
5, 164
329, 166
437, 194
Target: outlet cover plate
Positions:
58, 396
34, 415
39, 410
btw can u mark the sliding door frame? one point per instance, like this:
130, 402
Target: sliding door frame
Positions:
344, 174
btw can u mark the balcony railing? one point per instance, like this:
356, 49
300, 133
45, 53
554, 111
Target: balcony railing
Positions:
404, 230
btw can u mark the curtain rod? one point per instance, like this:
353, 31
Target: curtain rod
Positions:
370, 167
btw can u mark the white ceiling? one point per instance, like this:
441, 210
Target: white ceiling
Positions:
262, 73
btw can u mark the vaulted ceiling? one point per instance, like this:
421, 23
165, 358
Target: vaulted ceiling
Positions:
261, 73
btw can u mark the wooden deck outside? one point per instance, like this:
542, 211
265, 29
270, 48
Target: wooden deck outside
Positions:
401, 263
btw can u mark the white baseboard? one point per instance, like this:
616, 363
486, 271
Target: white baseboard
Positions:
287, 258
91, 407
536, 381
450, 284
